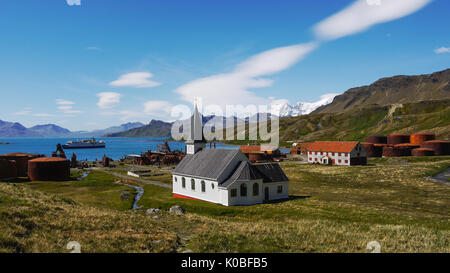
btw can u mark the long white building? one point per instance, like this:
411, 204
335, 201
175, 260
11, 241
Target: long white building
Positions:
346, 153
223, 176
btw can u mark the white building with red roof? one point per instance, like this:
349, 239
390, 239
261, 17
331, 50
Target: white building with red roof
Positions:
346, 153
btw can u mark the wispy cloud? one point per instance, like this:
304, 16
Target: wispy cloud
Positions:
234, 87
442, 50
43, 115
108, 99
229, 88
66, 106
23, 112
93, 48
136, 80
363, 14
73, 2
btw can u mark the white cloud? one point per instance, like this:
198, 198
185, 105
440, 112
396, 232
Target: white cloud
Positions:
108, 99
64, 102
67, 106
93, 48
158, 108
24, 112
136, 80
42, 115
363, 14
442, 50
73, 2
233, 87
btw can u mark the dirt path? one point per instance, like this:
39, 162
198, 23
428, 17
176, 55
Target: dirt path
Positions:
156, 183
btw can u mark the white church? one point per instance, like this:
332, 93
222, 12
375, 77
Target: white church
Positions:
225, 176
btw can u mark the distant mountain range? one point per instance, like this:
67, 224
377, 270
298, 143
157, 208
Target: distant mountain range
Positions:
428, 95
15, 129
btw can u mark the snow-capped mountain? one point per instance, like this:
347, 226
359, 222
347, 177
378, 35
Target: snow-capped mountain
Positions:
301, 108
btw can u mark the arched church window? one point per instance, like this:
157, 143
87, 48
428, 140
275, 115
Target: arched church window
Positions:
243, 190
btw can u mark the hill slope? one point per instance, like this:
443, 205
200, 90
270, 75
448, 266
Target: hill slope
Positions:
431, 116
15, 129
50, 130
155, 128
398, 89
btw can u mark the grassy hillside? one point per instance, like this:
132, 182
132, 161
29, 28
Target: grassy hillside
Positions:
331, 209
387, 91
431, 116
357, 124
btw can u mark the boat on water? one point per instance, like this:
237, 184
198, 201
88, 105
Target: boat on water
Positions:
84, 144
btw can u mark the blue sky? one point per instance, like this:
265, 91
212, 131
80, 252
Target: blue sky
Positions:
106, 62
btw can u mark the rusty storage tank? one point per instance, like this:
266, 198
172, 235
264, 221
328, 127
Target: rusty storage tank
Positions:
390, 151
256, 157
372, 150
407, 146
420, 138
8, 168
394, 139
377, 139
422, 152
438, 146
21, 161
49, 168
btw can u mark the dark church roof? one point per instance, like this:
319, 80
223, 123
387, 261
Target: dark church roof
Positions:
244, 172
210, 164
206, 163
269, 172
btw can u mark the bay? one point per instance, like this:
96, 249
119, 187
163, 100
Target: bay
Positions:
116, 147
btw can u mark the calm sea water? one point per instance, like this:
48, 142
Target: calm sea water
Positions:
116, 148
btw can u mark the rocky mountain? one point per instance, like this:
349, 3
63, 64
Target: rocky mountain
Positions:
303, 108
15, 129
393, 90
155, 128
107, 131
50, 130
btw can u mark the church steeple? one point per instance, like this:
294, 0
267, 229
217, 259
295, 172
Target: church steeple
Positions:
196, 140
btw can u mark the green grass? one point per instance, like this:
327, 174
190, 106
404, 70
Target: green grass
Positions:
331, 209
97, 189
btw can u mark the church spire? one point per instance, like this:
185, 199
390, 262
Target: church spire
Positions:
196, 139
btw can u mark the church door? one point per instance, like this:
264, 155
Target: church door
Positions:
266, 194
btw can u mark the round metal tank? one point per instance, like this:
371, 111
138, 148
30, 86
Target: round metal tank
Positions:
407, 146
49, 168
256, 157
390, 151
397, 139
372, 150
21, 161
438, 146
422, 152
420, 138
8, 168
377, 139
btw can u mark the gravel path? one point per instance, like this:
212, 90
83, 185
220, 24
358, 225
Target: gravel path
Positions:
156, 183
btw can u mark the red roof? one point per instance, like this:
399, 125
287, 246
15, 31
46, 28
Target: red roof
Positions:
332, 146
